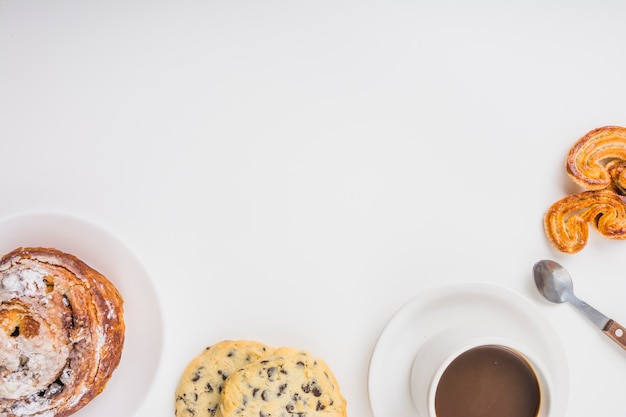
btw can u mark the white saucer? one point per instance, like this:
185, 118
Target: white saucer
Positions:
104, 252
504, 312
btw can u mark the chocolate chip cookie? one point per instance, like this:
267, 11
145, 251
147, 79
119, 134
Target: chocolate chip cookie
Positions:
288, 383
201, 385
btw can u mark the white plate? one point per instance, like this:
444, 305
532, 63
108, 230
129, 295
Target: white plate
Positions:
506, 313
104, 252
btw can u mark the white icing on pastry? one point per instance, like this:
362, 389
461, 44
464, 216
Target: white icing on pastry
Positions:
61, 333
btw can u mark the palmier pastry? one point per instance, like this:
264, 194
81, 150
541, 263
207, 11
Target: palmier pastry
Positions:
566, 221
61, 332
597, 160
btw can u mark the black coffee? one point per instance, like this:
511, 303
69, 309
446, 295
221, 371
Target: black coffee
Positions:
488, 381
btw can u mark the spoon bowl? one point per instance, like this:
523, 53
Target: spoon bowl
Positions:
553, 281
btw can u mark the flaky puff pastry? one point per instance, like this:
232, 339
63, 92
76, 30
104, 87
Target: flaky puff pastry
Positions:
597, 160
61, 333
566, 221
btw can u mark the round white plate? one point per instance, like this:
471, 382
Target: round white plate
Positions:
505, 313
104, 252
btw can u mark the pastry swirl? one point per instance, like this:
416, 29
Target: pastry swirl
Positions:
566, 221
597, 160
61, 332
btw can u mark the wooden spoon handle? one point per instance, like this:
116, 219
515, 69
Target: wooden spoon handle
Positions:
616, 332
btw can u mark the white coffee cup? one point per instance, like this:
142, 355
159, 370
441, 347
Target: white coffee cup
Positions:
437, 353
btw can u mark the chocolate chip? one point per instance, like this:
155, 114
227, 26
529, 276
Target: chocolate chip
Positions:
271, 371
264, 396
16, 332
319, 406
306, 388
208, 387
281, 389
317, 391
196, 376
255, 391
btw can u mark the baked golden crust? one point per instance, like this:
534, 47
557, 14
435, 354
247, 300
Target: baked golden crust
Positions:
566, 221
62, 332
597, 160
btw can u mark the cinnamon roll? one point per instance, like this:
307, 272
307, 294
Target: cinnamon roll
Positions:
61, 332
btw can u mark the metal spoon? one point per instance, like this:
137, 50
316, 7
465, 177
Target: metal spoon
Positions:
555, 284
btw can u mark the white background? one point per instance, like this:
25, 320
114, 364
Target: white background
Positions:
295, 171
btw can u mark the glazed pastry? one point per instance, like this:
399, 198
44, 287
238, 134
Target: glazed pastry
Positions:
61, 332
202, 382
289, 383
597, 160
566, 221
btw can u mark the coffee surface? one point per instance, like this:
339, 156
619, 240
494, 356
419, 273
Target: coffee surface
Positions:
488, 381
